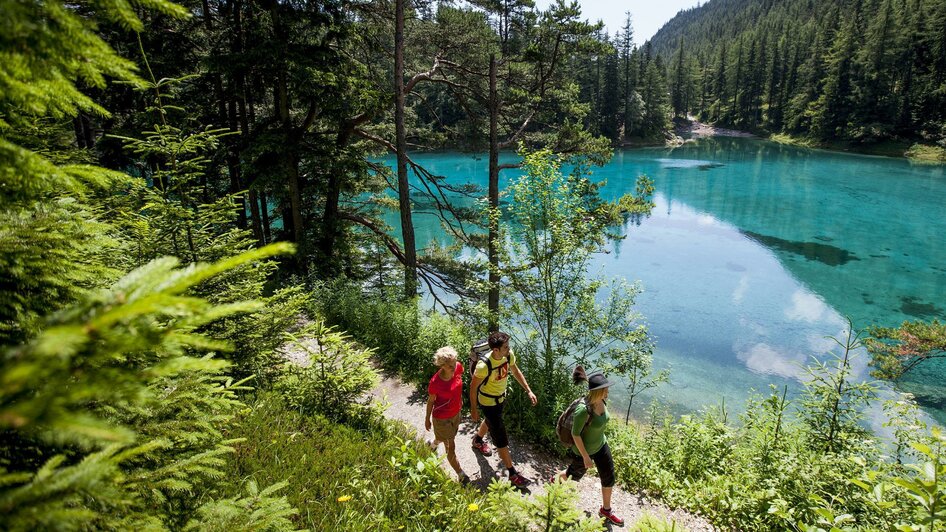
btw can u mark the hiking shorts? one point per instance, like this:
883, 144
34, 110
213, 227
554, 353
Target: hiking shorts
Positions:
497, 429
603, 461
446, 429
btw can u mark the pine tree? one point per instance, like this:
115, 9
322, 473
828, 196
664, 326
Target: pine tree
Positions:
611, 107
52, 246
734, 113
721, 89
830, 111
629, 72
111, 404
654, 98
679, 87
776, 87
875, 97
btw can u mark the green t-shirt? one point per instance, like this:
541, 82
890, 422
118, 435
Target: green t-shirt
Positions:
593, 435
496, 384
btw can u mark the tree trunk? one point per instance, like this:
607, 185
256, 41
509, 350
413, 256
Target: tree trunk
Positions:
85, 136
333, 192
292, 220
77, 128
226, 116
264, 211
247, 116
233, 164
293, 223
403, 188
257, 224
330, 219
492, 251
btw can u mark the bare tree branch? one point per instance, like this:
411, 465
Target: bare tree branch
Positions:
422, 76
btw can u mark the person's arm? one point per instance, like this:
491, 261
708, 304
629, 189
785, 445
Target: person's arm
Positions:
517, 373
584, 454
474, 408
430, 408
579, 420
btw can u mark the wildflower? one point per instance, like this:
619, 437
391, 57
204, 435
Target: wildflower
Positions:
344, 498
473, 507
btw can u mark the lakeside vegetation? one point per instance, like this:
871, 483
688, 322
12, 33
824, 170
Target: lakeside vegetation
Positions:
862, 76
148, 294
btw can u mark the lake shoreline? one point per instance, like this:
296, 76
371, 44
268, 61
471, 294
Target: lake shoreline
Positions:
690, 129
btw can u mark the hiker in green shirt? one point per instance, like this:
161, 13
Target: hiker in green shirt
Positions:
591, 444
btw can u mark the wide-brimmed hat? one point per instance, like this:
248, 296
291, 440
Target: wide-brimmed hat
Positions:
597, 381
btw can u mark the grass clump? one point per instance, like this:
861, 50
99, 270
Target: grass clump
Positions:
783, 138
926, 153
339, 477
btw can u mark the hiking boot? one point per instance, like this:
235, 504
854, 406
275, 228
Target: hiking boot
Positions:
464, 479
518, 480
610, 517
482, 447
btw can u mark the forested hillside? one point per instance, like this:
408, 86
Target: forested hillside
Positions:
861, 70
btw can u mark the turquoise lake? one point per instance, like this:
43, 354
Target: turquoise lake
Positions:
756, 252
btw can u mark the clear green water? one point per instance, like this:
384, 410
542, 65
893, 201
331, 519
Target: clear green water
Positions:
756, 252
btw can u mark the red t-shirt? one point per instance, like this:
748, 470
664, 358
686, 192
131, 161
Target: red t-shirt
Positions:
449, 394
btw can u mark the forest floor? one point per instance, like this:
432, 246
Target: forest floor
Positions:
407, 404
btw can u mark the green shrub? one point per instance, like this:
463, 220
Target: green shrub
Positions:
652, 523
763, 474
554, 510
255, 511
403, 337
112, 416
330, 374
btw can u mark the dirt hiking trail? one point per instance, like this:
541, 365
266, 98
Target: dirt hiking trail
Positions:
407, 404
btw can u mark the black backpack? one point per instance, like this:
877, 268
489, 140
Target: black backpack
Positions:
480, 352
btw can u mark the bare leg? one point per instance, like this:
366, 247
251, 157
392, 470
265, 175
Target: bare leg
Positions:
606, 497
451, 448
506, 458
484, 428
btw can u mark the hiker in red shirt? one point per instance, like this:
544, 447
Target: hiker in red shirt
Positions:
444, 401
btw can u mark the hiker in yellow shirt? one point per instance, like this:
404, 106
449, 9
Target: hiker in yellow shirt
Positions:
488, 392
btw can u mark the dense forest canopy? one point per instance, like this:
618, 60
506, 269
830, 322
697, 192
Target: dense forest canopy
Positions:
857, 70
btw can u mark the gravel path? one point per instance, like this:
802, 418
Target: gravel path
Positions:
406, 404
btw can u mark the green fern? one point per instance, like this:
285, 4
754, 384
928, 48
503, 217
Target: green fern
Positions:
262, 511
